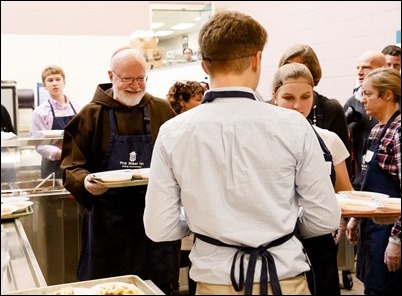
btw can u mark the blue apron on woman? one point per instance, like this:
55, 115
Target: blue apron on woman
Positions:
373, 238
49, 166
114, 239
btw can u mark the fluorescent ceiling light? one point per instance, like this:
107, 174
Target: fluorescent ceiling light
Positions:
163, 33
156, 25
183, 26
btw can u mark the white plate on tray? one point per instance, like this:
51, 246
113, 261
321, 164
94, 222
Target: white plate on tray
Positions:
391, 203
122, 178
11, 199
7, 209
363, 194
357, 205
20, 205
114, 176
51, 133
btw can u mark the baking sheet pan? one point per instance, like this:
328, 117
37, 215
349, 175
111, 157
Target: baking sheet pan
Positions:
131, 279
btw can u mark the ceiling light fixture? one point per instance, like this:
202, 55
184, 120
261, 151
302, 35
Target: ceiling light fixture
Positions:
183, 26
156, 25
163, 33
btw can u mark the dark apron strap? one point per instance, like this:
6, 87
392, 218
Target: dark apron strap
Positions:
212, 95
267, 263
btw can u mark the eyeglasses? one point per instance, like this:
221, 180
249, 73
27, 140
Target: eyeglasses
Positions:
128, 80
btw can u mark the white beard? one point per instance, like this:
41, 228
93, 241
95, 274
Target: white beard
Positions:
129, 99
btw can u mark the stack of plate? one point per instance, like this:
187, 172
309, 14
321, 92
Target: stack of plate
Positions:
363, 195
366, 201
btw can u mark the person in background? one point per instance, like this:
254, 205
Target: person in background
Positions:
188, 54
6, 123
359, 123
326, 113
381, 172
238, 174
117, 130
184, 95
393, 56
53, 114
8, 173
292, 88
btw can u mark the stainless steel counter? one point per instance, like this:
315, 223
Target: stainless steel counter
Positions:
53, 229
23, 271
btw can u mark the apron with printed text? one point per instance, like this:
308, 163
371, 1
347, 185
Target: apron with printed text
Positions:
114, 239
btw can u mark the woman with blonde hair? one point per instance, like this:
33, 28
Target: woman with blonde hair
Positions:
292, 88
378, 266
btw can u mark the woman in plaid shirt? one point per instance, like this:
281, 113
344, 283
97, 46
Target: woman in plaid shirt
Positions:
378, 262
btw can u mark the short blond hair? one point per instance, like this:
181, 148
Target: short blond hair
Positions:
384, 79
52, 70
291, 71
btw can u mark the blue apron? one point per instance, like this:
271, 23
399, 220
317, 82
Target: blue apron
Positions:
373, 238
49, 166
114, 239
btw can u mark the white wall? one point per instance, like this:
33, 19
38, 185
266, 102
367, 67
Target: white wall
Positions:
161, 79
87, 33
78, 36
338, 31
85, 60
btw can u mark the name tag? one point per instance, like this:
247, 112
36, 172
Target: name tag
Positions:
328, 166
369, 156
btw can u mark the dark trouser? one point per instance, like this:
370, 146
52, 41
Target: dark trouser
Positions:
324, 277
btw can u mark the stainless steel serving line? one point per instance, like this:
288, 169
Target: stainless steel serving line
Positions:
54, 227
23, 271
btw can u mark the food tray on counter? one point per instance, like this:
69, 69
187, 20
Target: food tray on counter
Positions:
87, 287
28, 211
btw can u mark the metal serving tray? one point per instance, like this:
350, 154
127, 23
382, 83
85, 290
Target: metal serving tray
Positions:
131, 279
27, 211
